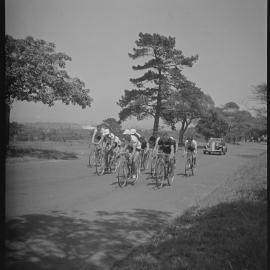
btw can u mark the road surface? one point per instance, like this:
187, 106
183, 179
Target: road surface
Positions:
61, 215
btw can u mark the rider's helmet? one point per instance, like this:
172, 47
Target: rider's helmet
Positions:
133, 131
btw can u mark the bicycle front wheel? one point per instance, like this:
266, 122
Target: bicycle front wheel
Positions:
91, 160
122, 174
100, 164
159, 173
187, 167
170, 174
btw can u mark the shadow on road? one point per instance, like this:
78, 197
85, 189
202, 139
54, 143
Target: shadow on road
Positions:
57, 241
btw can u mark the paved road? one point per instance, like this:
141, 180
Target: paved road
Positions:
67, 217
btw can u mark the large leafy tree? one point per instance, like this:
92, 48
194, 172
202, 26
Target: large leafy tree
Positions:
152, 89
240, 121
212, 124
35, 72
186, 105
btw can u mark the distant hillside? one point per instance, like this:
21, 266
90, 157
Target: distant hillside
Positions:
50, 125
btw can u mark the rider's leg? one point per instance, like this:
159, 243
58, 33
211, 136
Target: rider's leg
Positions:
194, 159
135, 162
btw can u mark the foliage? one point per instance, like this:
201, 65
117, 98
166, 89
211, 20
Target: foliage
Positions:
260, 93
35, 72
153, 87
15, 128
213, 124
241, 122
186, 105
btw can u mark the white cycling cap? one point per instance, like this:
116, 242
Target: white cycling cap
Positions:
127, 132
112, 135
133, 131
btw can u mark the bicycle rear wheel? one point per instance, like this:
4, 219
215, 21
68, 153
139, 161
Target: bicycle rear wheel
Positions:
100, 164
91, 160
170, 174
122, 174
152, 166
138, 171
187, 167
159, 173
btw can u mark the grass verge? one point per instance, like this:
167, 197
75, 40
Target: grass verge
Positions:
229, 235
40, 153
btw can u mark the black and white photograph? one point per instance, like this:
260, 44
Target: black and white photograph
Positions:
135, 135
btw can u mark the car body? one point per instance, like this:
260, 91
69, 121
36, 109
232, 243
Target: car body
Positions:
215, 146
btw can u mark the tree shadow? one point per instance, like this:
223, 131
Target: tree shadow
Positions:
58, 241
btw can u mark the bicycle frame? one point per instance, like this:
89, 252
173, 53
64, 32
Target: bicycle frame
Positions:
167, 168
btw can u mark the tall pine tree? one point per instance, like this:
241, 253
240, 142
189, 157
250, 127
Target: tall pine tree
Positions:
153, 87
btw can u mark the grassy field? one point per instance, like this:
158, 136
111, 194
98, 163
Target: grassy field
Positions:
227, 230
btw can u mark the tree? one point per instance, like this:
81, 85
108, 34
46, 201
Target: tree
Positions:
213, 124
35, 72
152, 88
260, 93
187, 104
240, 121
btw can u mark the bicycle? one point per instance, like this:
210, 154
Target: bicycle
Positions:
189, 166
92, 154
144, 156
164, 170
153, 158
100, 161
125, 172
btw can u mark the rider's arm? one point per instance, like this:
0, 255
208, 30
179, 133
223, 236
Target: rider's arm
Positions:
195, 146
93, 136
156, 144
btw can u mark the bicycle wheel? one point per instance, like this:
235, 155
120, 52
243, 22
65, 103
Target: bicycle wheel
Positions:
117, 164
144, 160
152, 166
137, 173
159, 173
187, 167
100, 163
122, 174
170, 173
91, 160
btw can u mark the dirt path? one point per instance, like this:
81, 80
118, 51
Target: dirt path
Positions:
66, 217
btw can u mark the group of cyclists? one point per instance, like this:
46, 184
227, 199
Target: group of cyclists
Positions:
137, 146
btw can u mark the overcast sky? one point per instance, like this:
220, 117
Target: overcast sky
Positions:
228, 35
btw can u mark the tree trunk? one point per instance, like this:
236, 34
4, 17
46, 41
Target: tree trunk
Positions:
7, 116
156, 124
158, 110
182, 132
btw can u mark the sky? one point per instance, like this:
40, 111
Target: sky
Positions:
230, 37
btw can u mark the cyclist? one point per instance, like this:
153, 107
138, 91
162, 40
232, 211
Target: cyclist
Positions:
133, 146
191, 145
174, 144
166, 145
96, 136
106, 142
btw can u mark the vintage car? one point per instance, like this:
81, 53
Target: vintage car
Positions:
215, 146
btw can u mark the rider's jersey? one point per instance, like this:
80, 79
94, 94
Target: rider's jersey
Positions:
165, 145
135, 142
174, 143
191, 146
117, 141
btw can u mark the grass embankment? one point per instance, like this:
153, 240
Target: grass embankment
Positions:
14, 152
231, 234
